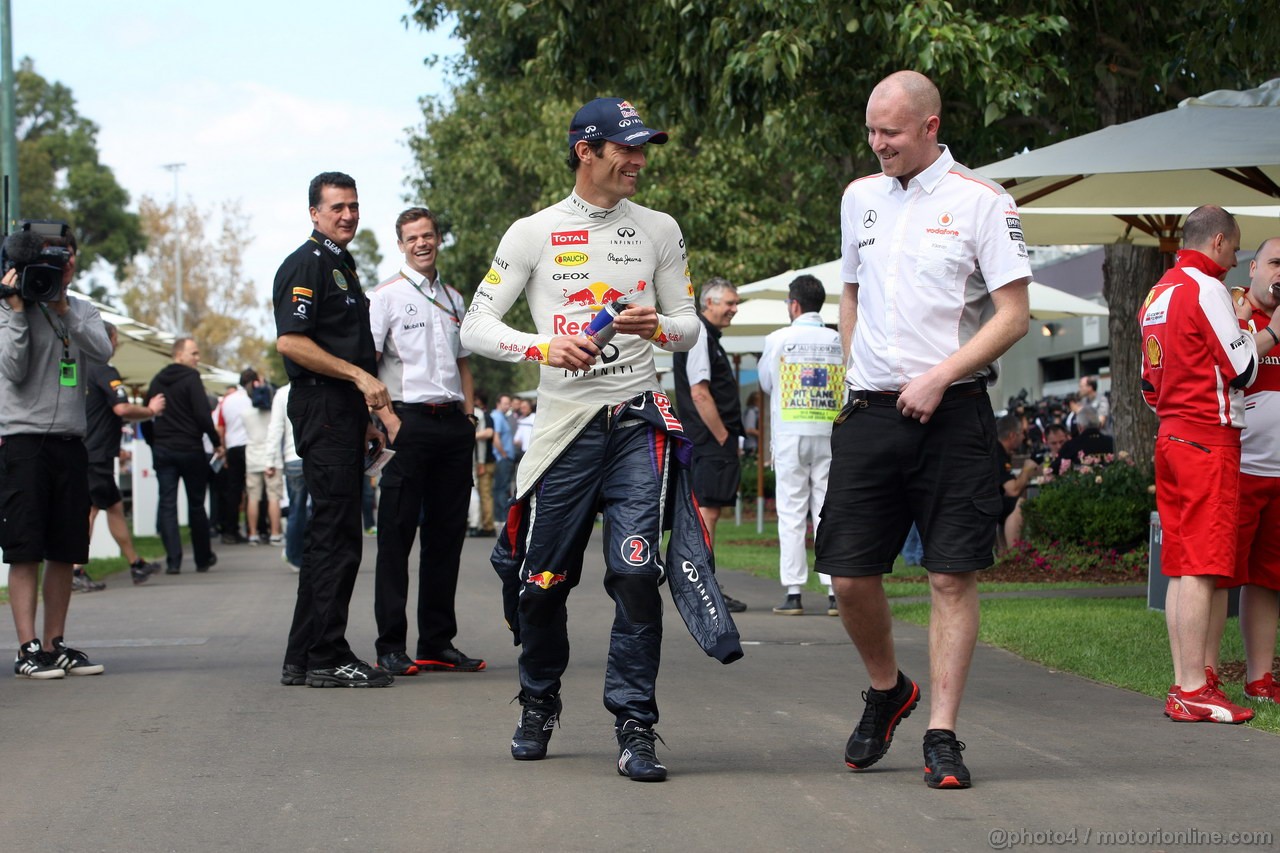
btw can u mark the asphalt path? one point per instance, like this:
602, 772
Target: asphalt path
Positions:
189, 742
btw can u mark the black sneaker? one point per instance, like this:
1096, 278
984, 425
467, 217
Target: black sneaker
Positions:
870, 740
397, 663
790, 606
213, 561
173, 570
538, 719
449, 660
236, 538
733, 604
72, 661
354, 674
292, 675
81, 582
34, 662
141, 571
943, 766
636, 757
832, 608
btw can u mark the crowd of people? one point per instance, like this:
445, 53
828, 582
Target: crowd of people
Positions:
882, 437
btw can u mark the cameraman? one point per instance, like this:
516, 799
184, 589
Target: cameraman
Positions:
44, 476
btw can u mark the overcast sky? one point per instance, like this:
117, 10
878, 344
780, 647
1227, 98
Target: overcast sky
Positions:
255, 98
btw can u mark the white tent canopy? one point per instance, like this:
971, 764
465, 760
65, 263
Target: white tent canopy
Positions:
145, 350
1137, 180
1047, 303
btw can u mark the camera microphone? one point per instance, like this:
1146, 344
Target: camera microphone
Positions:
23, 247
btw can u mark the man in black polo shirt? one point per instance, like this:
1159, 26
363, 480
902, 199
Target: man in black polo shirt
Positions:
107, 407
708, 404
322, 323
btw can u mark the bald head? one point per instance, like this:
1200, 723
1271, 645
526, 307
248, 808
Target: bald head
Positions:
1211, 230
912, 90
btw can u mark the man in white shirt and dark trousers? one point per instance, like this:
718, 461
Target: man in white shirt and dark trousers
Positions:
416, 320
802, 371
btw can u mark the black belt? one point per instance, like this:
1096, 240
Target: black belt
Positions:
890, 398
306, 381
434, 409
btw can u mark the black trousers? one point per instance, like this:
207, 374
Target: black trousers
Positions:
232, 491
427, 486
329, 423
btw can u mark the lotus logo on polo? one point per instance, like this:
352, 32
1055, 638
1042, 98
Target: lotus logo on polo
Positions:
571, 259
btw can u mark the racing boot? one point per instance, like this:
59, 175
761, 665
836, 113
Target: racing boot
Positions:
538, 718
636, 757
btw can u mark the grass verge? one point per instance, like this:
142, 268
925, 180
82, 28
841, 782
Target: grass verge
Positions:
1127, 644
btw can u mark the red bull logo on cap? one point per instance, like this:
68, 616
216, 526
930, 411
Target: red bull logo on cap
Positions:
546, 580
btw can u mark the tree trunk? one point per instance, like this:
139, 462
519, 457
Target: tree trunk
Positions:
1128, 273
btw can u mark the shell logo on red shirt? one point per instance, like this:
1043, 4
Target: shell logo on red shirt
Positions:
1154, 353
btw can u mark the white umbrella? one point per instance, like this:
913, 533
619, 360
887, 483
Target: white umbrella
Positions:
1049, 303
1138, 179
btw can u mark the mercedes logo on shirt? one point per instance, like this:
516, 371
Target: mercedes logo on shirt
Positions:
868, 219
411, 310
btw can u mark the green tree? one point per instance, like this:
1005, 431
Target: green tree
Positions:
765, 102
220, 303
364, 248
60, 176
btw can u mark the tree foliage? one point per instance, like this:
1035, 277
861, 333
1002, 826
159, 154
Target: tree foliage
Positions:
60, 176
217, 294
364, 249
765, 103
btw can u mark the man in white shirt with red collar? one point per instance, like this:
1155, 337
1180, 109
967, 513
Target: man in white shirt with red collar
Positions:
936, 274
416, 320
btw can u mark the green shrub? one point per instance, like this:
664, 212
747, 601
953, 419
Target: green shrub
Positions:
1107, 505
747, 482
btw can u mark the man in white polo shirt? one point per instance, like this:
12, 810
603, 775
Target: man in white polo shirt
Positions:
416, 320
936, 276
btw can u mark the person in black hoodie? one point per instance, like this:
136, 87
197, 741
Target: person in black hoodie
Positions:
178, 452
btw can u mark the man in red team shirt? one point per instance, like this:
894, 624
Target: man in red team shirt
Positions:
1258, 560
1196, 363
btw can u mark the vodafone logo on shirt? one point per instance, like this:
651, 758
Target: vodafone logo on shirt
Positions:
568, 238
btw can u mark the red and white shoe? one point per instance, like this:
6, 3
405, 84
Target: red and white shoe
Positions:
1207, 705
1265, 689
1211, 679
1170, 706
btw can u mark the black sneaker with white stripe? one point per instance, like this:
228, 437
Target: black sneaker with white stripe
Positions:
73, 661
538, 719
354, 674
637, 759
34, 662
